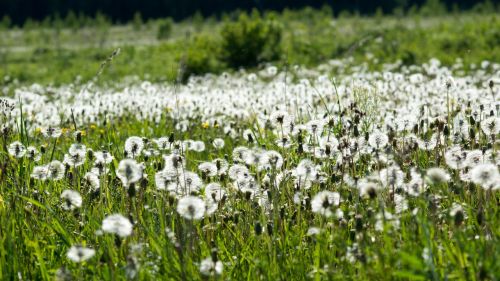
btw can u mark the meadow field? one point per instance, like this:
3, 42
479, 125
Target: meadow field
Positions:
275, 146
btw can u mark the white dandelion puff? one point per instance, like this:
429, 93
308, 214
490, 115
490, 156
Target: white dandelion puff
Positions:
117, 224
80, 254
71, 199
191, 207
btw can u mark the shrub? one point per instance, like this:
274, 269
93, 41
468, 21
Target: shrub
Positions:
199, 57
250, 40
165, 29
137, 21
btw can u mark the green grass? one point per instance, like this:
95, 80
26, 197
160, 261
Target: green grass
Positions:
429, 244
35, 232
37, 54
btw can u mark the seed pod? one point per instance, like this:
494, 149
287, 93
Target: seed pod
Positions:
131, 190
258, 228
213, 253
459, 217
359, 223
270, 229
79, 137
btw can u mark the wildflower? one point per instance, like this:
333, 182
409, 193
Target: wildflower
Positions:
284, 142
388, 218
71, 199
315, 127
197, 146
63, 274
486, 175
174, 164
129, 172
378, 140
415, 186
329, 144
134, 146
474, 158
17, 149
455, 158
150, 152
40, 172
33, 154
312, 231
401, 203
323, 201
191, 207
132, 267
117, 224
77, 148
491, 126
253, 156
449, 82
214, 191
75, 160
305, 169
427, 144
248, 135
55, 170
391, 176
222, 166
91, 181
163, 143
238, 171
51, 132
103, 157
270, 159
163, 180
211, 206
189, 182
278, 118
209, 267
208, 169
368, 189
80, 254
218, 143
437, 176
239, 153
458, 213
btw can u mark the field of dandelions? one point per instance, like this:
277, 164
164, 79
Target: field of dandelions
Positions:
270, 175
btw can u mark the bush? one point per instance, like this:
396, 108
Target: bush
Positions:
199, 57
165, 29
137, 21
250, 40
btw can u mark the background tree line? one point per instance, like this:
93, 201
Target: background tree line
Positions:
18, 12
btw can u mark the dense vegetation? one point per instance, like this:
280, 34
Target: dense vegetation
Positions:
22, 10
299, 145
154, 50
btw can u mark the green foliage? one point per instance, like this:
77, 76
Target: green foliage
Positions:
72, 20
307, 37
164, 29
484, 7
432, 8
250, 40
137, 22
199, 57
198, 20
6, 22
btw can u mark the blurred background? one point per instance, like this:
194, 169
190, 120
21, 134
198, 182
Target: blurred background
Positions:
125, 10
66, 41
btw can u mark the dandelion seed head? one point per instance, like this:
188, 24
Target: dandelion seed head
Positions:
191, 207
117, 224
